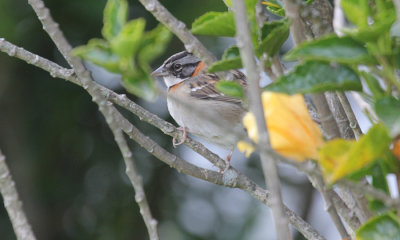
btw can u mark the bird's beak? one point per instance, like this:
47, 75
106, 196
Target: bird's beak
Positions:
159, 72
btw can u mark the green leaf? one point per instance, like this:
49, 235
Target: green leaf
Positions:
128, 40
115, 15
154, 43
357, 11
373, 84
275, 7
340, 158
230, 60
99, 52
273, 35
383, 227
230, 88
215, 24
388, 110
379, 182
313, 76
373, 32
139, 82
331, 48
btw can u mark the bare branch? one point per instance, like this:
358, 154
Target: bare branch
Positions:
311, 169
13, 205
350, 115
366, 189
136, 181
192, 44
338, 18
338, 113
54, 69
254, 93
319, 184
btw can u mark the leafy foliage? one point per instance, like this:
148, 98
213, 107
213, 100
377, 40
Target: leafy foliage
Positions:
215, 24
383, 227
333, 49
388, 110
273, 35
316, 76
230, 60
128, 48
230, 88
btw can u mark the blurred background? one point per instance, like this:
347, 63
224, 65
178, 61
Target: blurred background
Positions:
70, 173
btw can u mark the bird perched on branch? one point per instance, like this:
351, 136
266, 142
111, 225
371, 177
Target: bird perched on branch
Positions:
197, 106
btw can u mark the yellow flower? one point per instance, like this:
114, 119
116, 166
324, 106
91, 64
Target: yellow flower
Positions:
291, 130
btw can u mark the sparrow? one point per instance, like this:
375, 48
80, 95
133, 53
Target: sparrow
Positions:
197, 106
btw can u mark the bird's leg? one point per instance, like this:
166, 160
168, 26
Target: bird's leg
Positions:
228, 161
184, 132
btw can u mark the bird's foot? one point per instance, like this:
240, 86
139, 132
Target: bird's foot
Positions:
184, 132
228, 162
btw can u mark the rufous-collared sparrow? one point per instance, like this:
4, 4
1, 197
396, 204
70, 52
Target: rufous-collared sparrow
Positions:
195, 103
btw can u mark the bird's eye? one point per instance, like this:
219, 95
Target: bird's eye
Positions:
177, 67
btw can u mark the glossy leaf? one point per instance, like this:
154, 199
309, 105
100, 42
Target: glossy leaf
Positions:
371, 33
357, 11
215, 24
273, 35
340, 158
115, 15
128, 40
154, 43
383, 227
99, 52
230, 88
310, 77
388, 110
230, 60
139, 83
331, 48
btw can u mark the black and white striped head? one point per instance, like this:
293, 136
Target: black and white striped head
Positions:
178, 68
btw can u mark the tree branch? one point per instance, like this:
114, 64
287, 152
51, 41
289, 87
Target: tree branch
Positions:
319, 184
366, 189
350, 115
192, 44
13, 205
254, 94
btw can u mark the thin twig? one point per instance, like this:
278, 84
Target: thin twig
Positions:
319, 184
254, 93
136, 181
312, 170
13, 205
366, 189
338, 113
338, 18
350, 114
